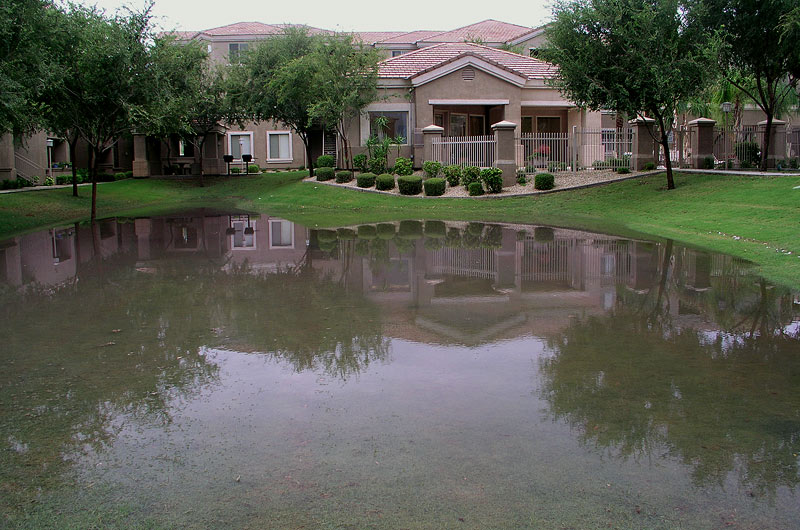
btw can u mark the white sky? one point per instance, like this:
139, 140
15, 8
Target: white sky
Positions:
341, 15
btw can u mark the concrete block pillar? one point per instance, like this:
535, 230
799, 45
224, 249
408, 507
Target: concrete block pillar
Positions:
701, 138
777, 145
644, 143
505, 154
141, 165
430, 134
7, 162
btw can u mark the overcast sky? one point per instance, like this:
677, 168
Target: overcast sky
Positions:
341, 15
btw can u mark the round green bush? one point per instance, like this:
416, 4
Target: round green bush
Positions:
402, 166
344, 176
493, 178
324, 173
49, 181
325, 161
649, 166
434, 186
623, 170
326, 235
475, 189
410, 230
235, 170
435, 229
432, 168
544, 181
469, 175
452, 174
368, 232
409, 185
345, 234
384, 182
366, 180
385, 231
543, 234
253, 168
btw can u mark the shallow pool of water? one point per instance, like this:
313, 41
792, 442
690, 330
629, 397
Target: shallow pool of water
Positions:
207, 369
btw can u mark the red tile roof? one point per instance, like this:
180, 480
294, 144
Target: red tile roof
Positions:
255, 28
411, 37
486, 31
371, 37
412, 64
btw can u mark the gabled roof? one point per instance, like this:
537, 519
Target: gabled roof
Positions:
371, 37
246, 28
411, 37
418, 62
487, 31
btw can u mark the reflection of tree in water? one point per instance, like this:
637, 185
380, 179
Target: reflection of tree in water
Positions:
67, 373
721, 398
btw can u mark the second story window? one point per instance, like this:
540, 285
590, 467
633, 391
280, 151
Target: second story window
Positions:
235, 49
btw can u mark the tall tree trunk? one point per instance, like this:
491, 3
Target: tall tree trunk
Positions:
73, 145
93, 174
667, 160
767, 141
307, 144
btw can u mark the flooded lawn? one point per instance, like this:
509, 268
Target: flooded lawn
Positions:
227, 370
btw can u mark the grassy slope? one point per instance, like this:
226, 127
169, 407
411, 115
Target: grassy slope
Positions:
763, 212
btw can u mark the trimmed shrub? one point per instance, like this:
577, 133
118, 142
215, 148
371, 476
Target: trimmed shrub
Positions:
493, 238
366, 180
748, 152
435, 229
544, 181
432, 168
344, 176
324, 236
623, 170
362, 247
453, 238
522, 178
543, 234
49, 181
452, 174
794, 163
475, 189
493, 178
650, 166
434, 187
325, 161
708, 163
345, 234
384, 182
235, 171
433, 244
469, 175
324, 173
377, 165
744, 164
360, 162
253, 168
368, 232
410, 230
402, 166
120, 176
409, 185
385, 231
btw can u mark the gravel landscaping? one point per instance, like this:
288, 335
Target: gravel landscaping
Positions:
564, 180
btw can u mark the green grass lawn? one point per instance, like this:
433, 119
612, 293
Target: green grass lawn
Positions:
750, 217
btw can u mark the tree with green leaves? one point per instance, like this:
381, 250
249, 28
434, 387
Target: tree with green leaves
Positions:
27, 30
631, 56
345, 75
751, 50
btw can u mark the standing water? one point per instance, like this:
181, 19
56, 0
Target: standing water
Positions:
207, 369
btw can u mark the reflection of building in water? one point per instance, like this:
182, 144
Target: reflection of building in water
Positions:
460, 282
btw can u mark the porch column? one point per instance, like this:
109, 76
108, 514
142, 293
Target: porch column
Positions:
644, 143
141, 165
701, 135
505, 152
429, 134
777, 144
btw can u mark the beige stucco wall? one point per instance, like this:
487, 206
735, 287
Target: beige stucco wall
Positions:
259, 131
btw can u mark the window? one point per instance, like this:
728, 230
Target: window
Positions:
243, 232
547, 124
395, 53
240, 144
395, 124
533, 52
458, 124
476, 125
185, 148
527, 125
279, 146
235, 49
281, 234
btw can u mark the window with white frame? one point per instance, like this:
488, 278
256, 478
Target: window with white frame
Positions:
279, 146
281, 234
393, 124
235, 50
243, 232
240, 143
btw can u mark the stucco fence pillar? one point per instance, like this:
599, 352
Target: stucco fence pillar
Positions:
701, 140
777, 145
505, 154
141, 165
644, 143
430, 134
